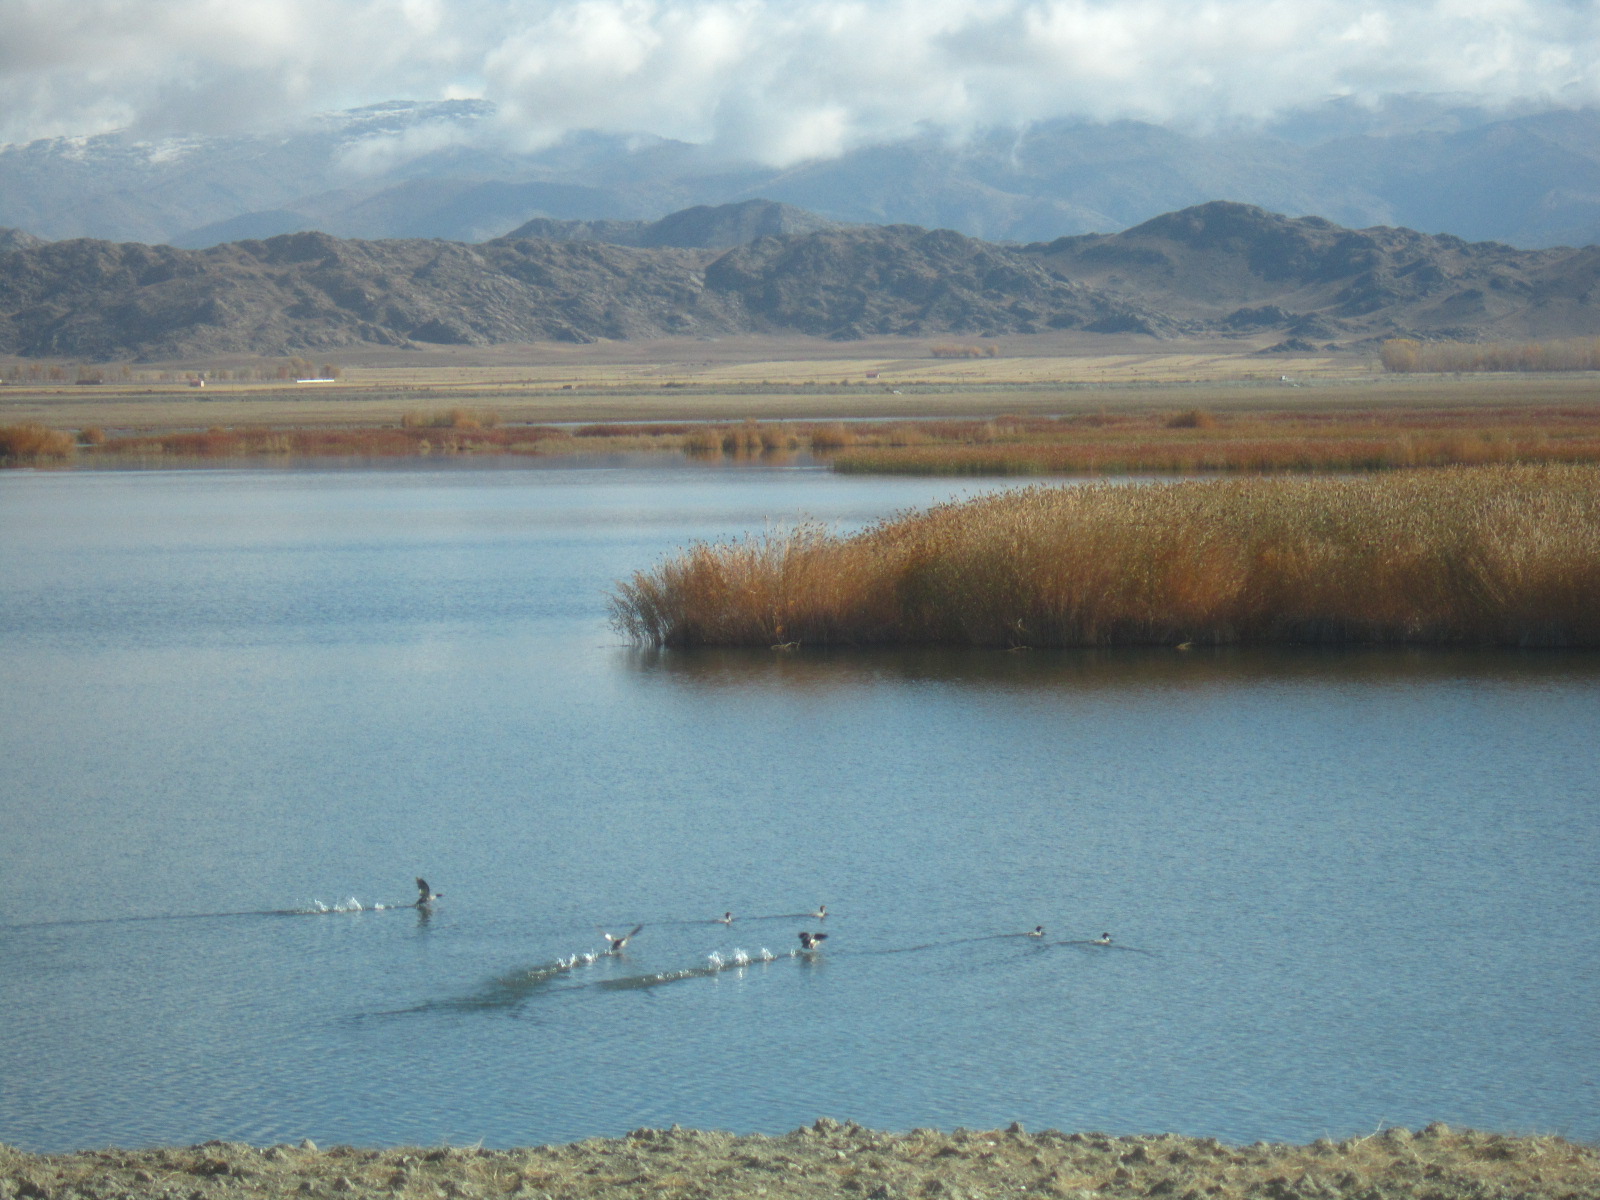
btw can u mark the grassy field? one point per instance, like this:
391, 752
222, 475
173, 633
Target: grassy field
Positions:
1481, 555
726, 379
1041, 405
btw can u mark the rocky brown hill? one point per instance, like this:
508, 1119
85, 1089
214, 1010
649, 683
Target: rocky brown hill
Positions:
16, 239
308, 292
1224, 267
1217, 269
703, 227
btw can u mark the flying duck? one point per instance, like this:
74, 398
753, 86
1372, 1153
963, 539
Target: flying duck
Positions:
619, 943
425, 894
809, 941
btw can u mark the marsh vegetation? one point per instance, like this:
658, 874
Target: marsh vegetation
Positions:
1488, 555
1184, 440
1199, 439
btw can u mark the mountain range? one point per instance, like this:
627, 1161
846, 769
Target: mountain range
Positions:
1215, 270
447, 170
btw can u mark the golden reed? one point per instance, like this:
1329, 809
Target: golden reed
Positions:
31, 442
1483, 555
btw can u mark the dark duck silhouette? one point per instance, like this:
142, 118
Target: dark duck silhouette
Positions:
618, 944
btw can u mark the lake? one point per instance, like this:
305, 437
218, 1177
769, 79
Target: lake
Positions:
241, 708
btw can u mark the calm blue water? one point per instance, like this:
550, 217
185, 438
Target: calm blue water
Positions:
1345, 888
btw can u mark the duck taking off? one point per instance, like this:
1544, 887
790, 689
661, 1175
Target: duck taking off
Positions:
619, 943
810, 941
425, 894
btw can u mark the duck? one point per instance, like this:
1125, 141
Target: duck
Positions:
809, 941
1036, 931
618, 944
725, 919
821, 914
1103, 940
425, 894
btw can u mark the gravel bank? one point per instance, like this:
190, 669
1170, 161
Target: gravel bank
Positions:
828, 1159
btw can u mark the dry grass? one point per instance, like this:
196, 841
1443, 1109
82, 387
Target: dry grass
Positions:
31, 442
1489, 555
729, 392
1405, 355
456, 418
1330, 438
421, 438
1199, 440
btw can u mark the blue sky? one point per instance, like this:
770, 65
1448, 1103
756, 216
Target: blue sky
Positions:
776, 80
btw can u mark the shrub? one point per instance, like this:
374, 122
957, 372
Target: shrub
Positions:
32, 441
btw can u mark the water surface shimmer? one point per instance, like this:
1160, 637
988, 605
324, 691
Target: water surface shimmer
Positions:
1345, 888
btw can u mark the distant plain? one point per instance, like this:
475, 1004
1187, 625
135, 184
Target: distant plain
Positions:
774, 378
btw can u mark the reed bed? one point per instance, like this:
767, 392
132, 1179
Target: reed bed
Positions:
1231, 454
409, 439
1193, 440
31, 443
1200, 441
1504, 556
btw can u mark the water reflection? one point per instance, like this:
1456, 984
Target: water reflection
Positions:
1119, 669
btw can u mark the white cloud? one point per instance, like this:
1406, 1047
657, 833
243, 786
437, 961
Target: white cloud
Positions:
776, 79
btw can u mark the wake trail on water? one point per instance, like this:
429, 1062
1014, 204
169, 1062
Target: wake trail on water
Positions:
315, 908
1090, 944
737, 960
560, 976
511, 990
739, 920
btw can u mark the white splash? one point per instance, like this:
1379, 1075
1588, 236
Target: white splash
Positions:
348, 905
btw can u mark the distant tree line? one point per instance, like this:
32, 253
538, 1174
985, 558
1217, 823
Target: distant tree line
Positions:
1405, 355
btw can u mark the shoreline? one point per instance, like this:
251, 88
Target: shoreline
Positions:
829, 1159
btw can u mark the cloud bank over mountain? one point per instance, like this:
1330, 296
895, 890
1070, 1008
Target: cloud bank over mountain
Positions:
774, 81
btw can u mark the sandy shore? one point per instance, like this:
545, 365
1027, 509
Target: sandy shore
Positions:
829, 1159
